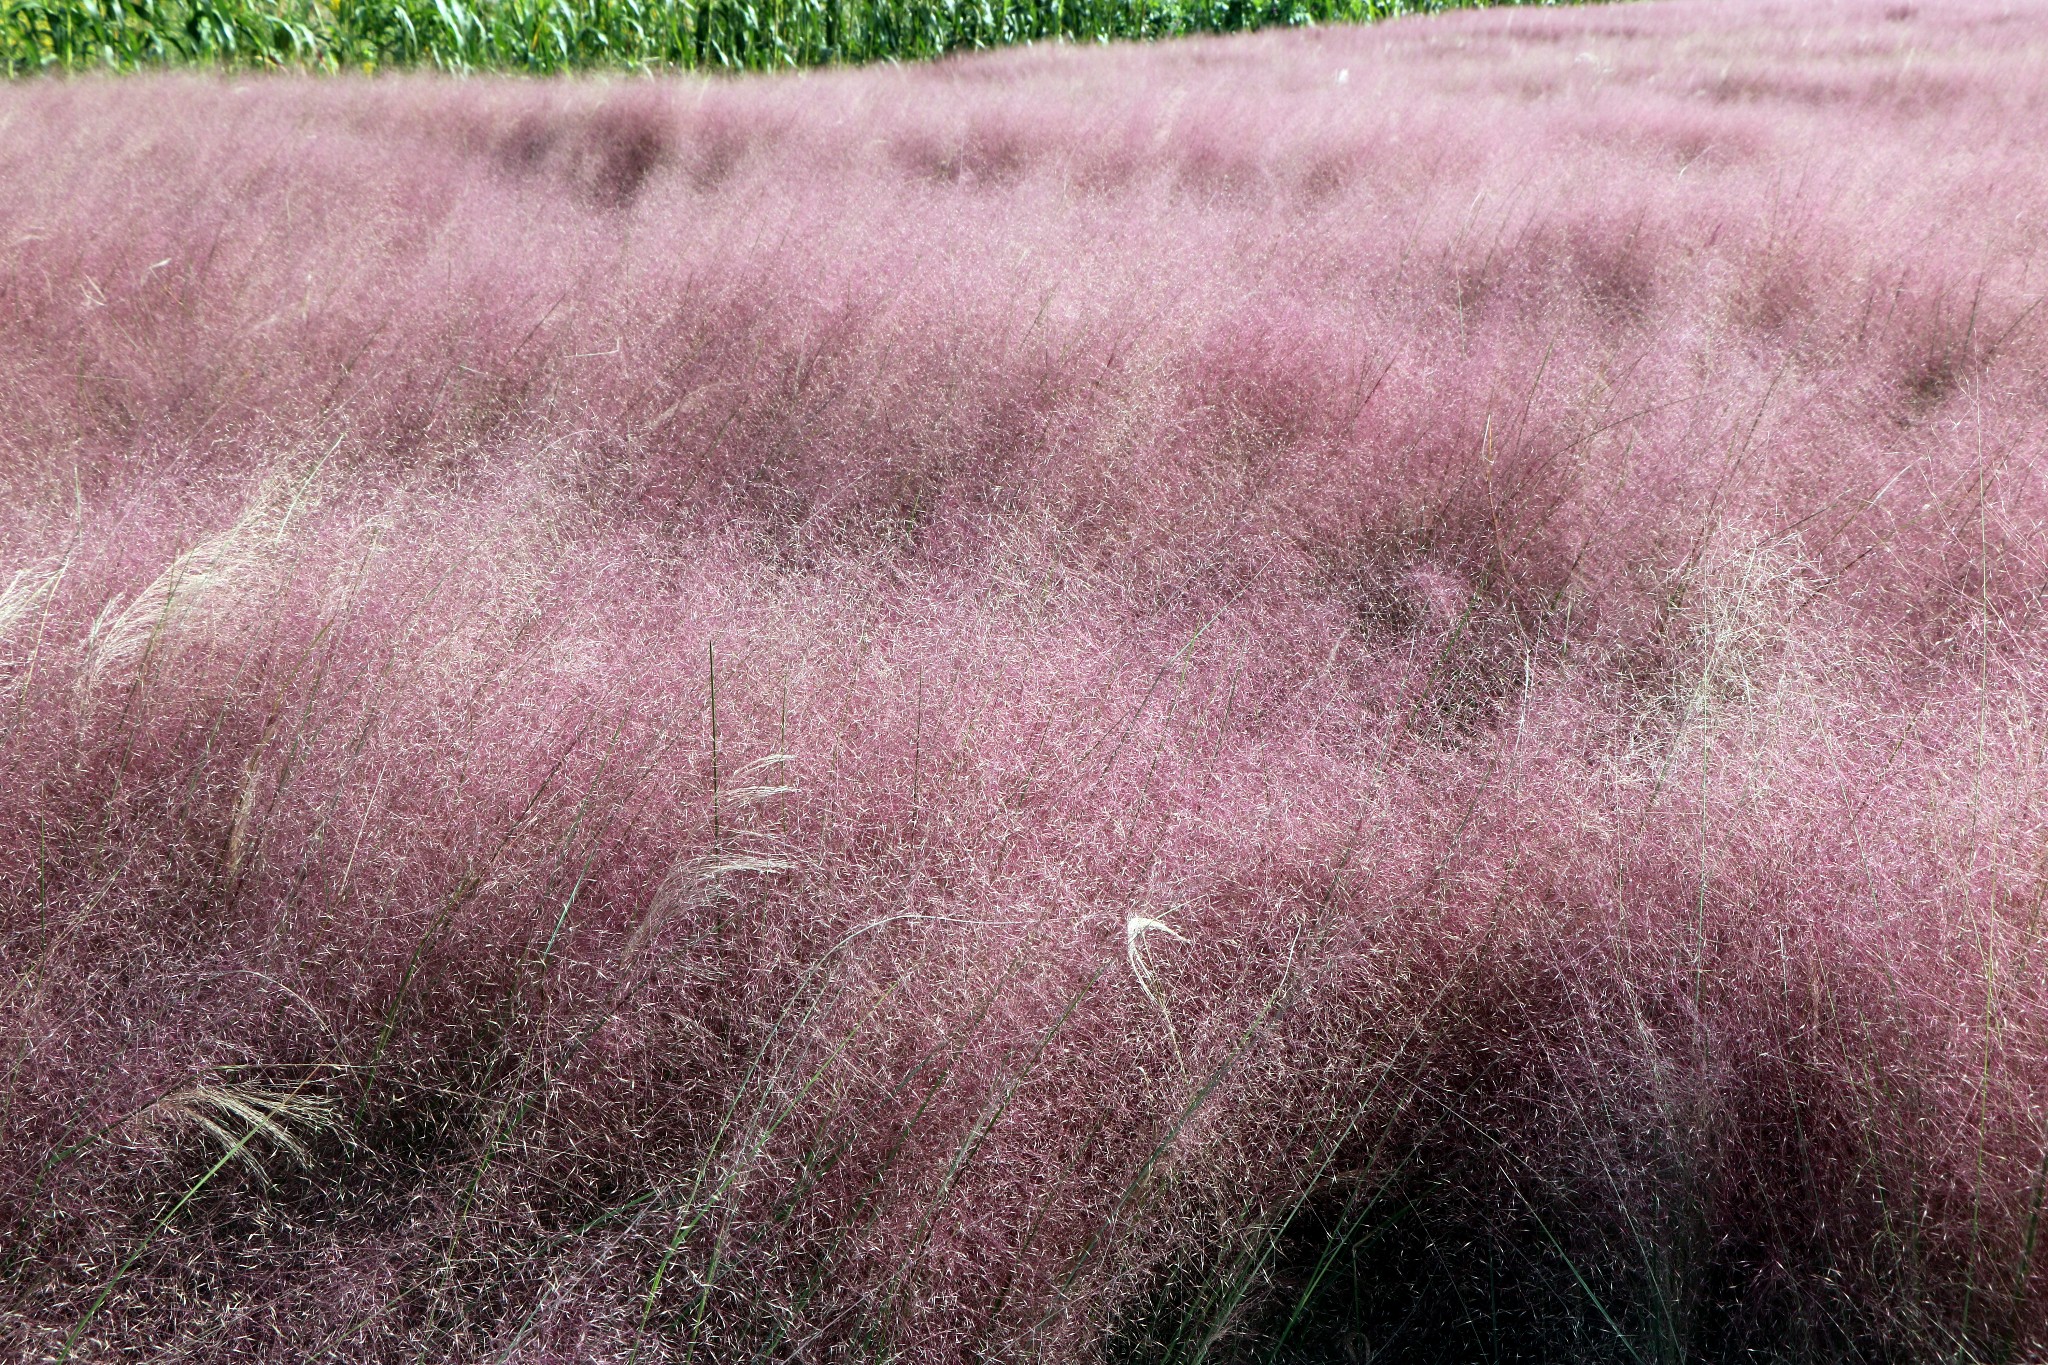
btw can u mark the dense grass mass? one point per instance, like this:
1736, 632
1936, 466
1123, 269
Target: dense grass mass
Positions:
561, 35
1357, 693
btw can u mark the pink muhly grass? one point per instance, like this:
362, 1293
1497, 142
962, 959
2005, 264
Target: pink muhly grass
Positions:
1354, 691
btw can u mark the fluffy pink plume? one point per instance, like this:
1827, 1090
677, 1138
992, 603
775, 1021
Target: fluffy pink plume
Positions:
1349, 694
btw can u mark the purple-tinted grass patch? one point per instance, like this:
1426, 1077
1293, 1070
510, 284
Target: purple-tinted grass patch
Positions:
1348, 691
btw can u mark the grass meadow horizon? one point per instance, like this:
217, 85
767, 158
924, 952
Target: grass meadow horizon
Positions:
1357, 694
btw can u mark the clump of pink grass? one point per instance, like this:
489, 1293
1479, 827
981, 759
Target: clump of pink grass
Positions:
1360, 691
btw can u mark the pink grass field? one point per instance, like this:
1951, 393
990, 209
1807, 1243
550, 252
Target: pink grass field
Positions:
1345, 695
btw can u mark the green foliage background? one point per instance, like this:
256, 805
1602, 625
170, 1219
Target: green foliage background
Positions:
560, 35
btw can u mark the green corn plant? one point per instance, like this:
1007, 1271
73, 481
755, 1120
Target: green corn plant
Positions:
546, 36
